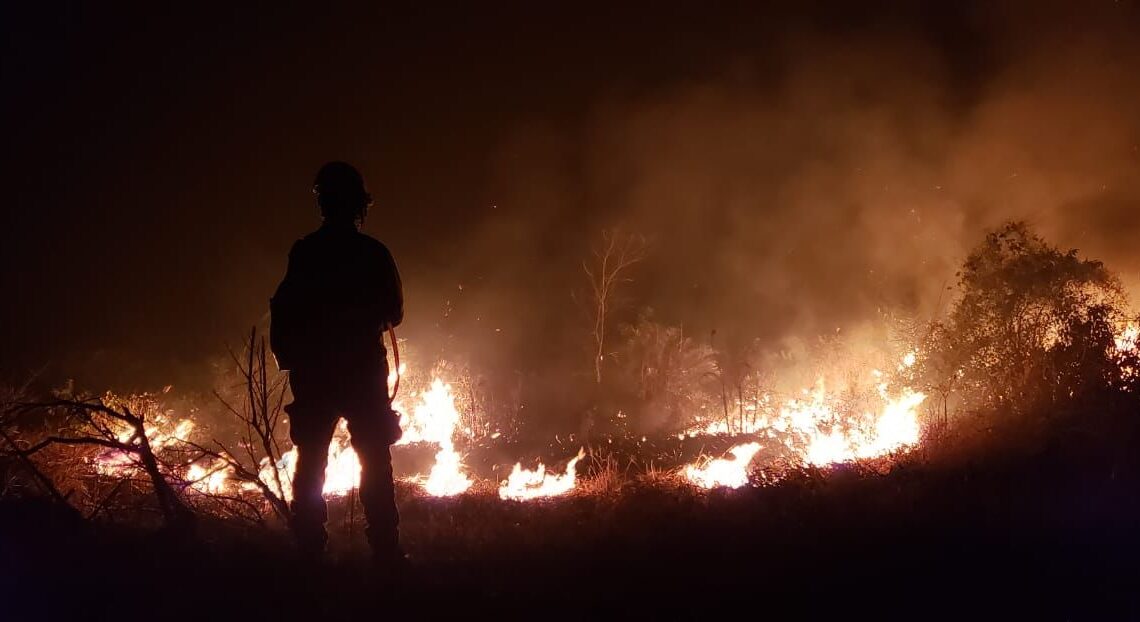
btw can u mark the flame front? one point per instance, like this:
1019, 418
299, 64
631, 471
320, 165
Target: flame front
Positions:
821, 436
816, 431
723, 471
523, 484
815, 428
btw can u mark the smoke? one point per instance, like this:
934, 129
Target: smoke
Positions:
797, 171
841, 177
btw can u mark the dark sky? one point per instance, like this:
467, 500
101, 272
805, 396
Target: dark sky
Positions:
158, 160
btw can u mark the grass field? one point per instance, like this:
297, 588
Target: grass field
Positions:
1045, 529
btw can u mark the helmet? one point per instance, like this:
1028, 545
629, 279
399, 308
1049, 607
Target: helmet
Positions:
340, 192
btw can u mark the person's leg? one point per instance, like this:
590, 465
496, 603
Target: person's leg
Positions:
370, 425
312, 420
378, 496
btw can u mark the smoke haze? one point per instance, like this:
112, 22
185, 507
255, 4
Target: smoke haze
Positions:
793, 176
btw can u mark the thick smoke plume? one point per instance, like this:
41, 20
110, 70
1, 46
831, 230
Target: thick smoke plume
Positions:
795, 174
843, 180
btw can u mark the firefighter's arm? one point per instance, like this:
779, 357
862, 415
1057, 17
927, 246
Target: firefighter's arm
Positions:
282, 312
391, 291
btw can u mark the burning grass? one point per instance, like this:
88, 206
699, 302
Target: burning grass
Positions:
1045, 532
188, 467
439, 457
694, 444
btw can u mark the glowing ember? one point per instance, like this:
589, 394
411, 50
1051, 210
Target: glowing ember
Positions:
524, 484
162, 430
730, 473
754, 420
211, 479
1127, 338
1126, 342
909, 360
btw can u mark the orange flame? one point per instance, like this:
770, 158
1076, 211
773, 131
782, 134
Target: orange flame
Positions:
817, 433
723, 471
523, 484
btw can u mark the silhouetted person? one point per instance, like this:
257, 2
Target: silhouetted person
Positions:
340, 293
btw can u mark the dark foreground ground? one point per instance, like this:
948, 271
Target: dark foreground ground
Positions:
1046, 534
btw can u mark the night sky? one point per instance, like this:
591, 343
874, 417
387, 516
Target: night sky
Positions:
796, 168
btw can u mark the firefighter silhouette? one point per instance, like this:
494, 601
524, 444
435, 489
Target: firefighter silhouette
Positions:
340, 293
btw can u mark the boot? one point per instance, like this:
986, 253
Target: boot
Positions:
392, 567
311, 539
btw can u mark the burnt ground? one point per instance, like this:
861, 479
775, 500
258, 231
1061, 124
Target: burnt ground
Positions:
1045, 533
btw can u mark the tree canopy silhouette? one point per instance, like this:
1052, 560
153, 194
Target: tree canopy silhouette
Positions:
1031, 325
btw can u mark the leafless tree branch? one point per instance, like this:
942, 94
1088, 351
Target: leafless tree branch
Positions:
615, 254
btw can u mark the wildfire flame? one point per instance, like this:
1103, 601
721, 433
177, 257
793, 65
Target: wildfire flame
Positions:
817, 432
1126, 340
162, 431
815, 428
523, 484
723, 471
213, 479
433, 420
895, 427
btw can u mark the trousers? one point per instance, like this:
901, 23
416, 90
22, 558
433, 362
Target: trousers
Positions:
320, 398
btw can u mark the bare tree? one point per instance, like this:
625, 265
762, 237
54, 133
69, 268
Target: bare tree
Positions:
112, 424
735, 366
260, 410
132, 428
616, 252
